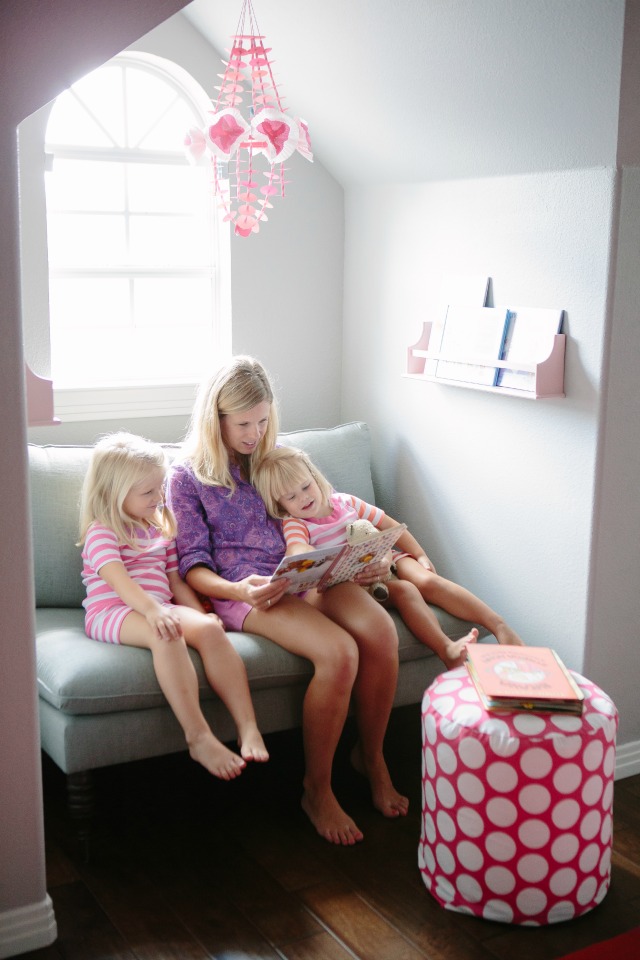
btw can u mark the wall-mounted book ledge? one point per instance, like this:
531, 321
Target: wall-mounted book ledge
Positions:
517, 353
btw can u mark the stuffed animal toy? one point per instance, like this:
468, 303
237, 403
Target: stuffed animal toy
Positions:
357, 532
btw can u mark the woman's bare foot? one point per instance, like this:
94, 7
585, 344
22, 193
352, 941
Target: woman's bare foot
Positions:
252, 745
455, 652
215, 757
504, 634
385, 797
330, 820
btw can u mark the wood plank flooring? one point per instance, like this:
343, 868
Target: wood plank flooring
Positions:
185, 867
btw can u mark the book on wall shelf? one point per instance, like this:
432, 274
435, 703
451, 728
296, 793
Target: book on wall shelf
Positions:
530, 333
523, 678
327, 566
472, 334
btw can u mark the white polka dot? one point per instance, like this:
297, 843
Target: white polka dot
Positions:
449, 686
535, 763
605, 863
449, 730
534, 798
470, 822
529, 724
604, 705
429, 828
592, 756
469, 888
444, 889
446, 826
469, 695
500, 880
567, 747
468, 715
589, 858
599, 722
472, 753
501, 742
602, 892
470, 788
567, 778
429, 765
531, 901
592, 790
447, 759
561, 911
443, 705
533, 834
565, 814
568, 724
607, 796
429, 859
421, 856
446, 793
445, 858
563, 882
469, 855
501, 812
500, 846
609, 762
565, 847
429, 796
430, 728
532, 868
607, 829
590, 825
587, 891
502, 777
497, 910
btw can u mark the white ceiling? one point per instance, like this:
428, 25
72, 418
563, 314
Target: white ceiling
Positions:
415, 90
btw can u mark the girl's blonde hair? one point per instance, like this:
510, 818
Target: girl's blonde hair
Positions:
280, 471
119, 461
239, 386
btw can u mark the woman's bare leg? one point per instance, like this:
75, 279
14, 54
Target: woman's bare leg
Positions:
457, 600
298, 627
374, 633
179, 683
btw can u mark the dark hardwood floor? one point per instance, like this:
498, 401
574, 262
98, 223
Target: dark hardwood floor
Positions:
184, 866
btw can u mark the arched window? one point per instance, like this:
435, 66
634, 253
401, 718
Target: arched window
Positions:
138, 262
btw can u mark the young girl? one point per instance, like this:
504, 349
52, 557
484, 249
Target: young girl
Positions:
136, 597
229, 546
314, 515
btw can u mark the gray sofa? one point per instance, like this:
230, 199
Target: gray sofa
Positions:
101, 704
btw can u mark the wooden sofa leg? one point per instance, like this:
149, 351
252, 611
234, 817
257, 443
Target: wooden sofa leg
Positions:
81, 806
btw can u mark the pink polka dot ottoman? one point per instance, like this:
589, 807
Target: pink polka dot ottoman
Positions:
516, 806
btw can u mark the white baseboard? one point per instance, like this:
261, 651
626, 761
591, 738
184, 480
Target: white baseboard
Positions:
27, 928
627, 760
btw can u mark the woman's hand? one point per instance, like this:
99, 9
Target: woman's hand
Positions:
373, 572
261, 592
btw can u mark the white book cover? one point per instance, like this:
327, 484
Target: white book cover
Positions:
529, 340
458, 290
472, 334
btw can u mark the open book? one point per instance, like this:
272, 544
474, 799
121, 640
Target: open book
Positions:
522, 678
326, 566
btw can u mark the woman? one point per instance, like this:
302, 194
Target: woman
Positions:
229, 546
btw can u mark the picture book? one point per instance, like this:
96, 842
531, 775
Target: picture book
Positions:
326, 566
458, 290
473, 337
522, 678
529, 339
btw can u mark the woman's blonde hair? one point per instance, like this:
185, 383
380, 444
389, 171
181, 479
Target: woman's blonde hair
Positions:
119, 461
280, 471
239, 386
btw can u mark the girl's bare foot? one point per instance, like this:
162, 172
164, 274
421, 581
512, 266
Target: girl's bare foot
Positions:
252, 745
504, 634
455, 653
215, 757
385, 797
330, 820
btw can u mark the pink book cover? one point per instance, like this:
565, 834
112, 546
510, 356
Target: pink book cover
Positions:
524, 675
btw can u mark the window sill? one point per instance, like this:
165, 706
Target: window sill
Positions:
109, 403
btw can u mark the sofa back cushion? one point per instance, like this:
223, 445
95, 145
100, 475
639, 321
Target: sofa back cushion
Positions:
342, 453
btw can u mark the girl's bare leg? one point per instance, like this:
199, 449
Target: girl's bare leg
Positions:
423, 623
227, 675
374, 633
298, 627
456, 600
179, 683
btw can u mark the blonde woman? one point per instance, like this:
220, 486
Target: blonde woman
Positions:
229, 546
135, 597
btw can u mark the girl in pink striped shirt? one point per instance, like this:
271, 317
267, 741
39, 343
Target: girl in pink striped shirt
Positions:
135, 596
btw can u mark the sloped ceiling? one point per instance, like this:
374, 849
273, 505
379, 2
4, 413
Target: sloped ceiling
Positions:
415, 90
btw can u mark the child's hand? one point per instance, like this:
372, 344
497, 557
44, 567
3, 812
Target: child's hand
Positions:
214, 616
164, 622
426, 563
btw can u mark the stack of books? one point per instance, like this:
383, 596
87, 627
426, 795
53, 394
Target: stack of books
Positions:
523, 678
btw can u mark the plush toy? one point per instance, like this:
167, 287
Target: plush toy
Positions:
357, 532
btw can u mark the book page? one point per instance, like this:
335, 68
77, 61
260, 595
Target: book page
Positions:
306, 570
529, 340
470, 334
457, 290
357, 557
